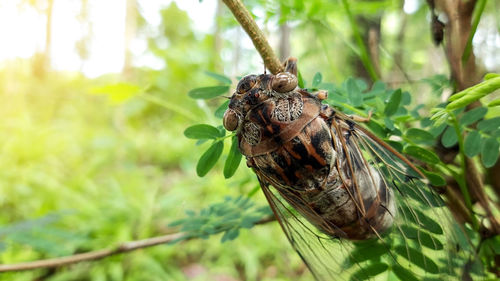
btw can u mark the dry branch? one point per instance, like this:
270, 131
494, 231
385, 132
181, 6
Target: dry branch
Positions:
90, 256
103, 253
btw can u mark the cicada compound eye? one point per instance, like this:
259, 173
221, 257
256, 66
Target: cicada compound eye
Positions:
284, 82
230, 120
246, 83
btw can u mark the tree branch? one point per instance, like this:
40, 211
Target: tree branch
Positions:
93, 255
259, 40
103, 253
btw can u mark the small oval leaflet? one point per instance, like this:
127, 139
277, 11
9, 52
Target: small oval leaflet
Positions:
233, 159
489, 125
209, 158
473, 115
422, 154
472, 144
449, 138
490, 152
393, 103
202, 131
419, 136
208, 92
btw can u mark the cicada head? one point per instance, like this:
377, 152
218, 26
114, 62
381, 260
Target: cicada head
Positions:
250, 91
253, 89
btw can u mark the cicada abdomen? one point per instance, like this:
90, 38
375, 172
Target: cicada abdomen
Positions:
336, 175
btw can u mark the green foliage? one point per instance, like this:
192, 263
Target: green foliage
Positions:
208, 92
233, 159
226, 217
481, 138
390, 115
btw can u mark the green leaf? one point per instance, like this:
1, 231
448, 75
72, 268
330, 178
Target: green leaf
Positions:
417, 258
489, 152
473, 115
389, 124
233, 159
494, 103
419, 136
395, 144
422, 154
209, 158
219, 77
472, 144
434, 178
301, 82
393, 103
436, 131
403, 273
489, 125
353, 92
439, 116
208, 92
406, 98
376, 128
425, 122
369, 271
449, 137
422, 220
473, 93
202, 131
367, 251
317, 79
488, 76
219, 112
422, 237
229, 235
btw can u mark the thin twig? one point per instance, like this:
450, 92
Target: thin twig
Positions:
91, 256
103, 253
243, 16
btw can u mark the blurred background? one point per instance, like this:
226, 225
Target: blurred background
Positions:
93, 105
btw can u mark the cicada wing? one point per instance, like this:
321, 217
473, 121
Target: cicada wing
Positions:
328, 258
423, 238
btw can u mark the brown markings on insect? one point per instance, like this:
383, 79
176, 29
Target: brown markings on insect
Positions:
302, 149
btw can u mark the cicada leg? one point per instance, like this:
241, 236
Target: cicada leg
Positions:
362, 119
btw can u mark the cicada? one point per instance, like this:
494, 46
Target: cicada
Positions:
350, 205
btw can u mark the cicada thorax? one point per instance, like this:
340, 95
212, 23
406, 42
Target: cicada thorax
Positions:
290, 141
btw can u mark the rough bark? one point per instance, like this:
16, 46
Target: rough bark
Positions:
465, 74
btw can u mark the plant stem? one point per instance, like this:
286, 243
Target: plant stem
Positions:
103, 253
461, 178
365, 58
259, 40
94, 255
476, 17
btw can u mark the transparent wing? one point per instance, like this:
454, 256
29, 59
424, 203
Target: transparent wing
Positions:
423, 241
322, 254
421, 244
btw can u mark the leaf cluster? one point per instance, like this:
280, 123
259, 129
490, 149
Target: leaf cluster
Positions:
394, 118
226, 217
